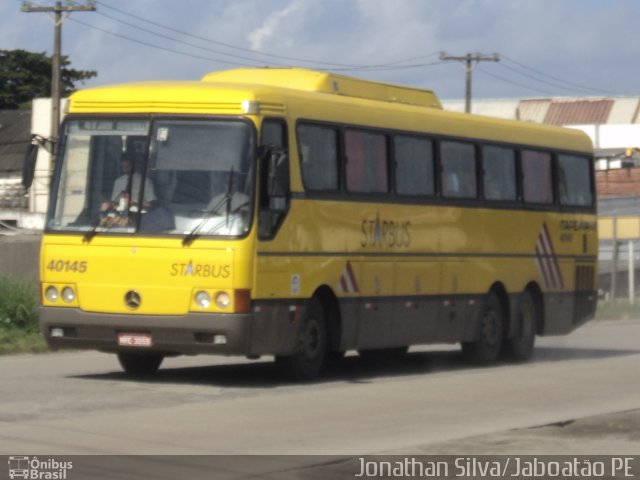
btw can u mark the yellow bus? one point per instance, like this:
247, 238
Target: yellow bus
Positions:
301, 214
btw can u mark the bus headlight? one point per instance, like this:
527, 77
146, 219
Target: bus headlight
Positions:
223, 300
203, 300
68, 295
51, 294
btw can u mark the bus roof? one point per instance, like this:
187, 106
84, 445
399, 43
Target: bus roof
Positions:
324, 82
322, 96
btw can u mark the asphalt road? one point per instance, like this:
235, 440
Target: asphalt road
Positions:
587, 383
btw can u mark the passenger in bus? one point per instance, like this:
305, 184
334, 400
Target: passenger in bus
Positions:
225, 183
451, 185
128, 184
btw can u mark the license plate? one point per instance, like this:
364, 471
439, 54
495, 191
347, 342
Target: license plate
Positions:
134, 340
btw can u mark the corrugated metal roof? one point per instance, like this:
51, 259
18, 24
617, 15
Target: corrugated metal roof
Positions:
559, 110
15, 135
579, 112
533, 110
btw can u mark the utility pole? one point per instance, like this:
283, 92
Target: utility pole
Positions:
469, 58
56, 13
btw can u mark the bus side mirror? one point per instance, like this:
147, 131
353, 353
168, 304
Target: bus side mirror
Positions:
29, 165
278, 174
274, 188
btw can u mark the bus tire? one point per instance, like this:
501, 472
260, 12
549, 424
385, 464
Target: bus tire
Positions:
140, 363
486, 348
519, 347
311, 346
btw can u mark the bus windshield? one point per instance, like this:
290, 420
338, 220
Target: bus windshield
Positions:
168, 176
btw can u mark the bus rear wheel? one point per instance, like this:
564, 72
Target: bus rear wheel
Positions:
311, 345
486, 348
140, 363
519, 347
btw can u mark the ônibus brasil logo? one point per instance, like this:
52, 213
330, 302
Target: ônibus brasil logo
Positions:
33, 468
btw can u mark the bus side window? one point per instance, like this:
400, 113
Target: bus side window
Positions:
413, 158
318, 151
272, 209
366, 158
537, 186
499, 164
574, 181
458, 161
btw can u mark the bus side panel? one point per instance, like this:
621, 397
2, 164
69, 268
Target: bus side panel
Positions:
558, 318
415, 315
376, 309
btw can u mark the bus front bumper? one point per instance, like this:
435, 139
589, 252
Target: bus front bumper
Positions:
190, 334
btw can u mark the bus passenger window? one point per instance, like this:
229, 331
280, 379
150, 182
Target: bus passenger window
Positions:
414, 166
536, 172
458, 170
499, 165
318, 149
366, 162
574, 181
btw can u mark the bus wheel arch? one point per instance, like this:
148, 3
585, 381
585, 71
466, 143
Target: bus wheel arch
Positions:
535, 291
333, 317
519, 345
311, 344
499, 290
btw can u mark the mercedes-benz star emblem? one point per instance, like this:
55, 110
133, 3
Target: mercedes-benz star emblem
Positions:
132, 299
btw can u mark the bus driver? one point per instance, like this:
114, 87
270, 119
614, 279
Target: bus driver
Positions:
129, 184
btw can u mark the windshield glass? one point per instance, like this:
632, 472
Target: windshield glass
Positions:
167, 176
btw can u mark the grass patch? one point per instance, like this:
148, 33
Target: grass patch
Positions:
620, 310
19, 329
16, 340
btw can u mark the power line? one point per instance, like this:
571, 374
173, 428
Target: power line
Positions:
385, 69
147, 44
227, 45
333, 66
382, 67
173, 39
572, 84
542, 81
514, 83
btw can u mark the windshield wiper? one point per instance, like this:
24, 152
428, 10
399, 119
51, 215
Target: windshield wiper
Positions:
226, 200
93, 231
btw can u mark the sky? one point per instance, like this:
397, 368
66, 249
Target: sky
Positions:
546, 47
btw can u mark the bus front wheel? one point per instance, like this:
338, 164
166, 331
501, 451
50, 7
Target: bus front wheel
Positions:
140, 363
311, 345
485, 349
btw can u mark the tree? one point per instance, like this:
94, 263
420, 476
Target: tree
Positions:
27, 75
